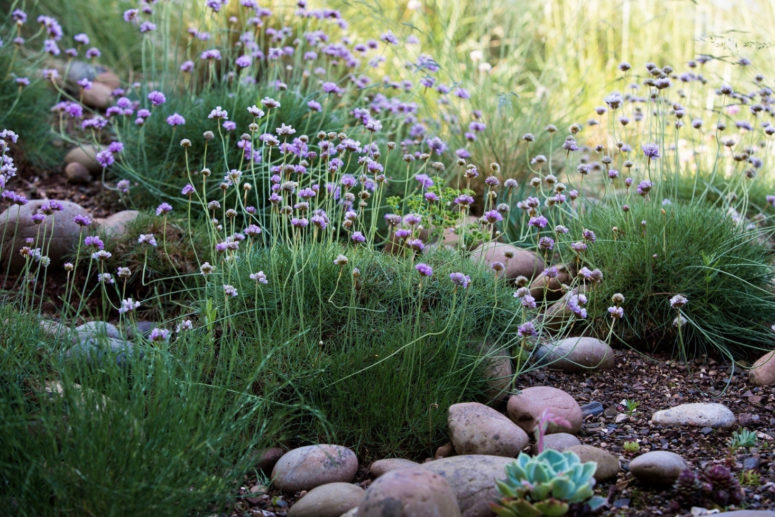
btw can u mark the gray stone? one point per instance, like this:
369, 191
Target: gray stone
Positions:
659, 468
747, 513
95, 349
517, 261
472, 478
117, 224
762, 372
329, 500
86, 155
97, 328
98, 96
306, 467
557, 441
477, 429
78, 70
577, 354
61, 233
593, 408
546, 288
411, 492
385, 465
77, 173
607, 463
525, 407
701, 414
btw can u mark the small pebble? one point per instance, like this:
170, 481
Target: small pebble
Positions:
591, 409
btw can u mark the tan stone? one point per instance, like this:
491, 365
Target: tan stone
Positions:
763, 371
607, 463
528, 405
329, 500
98, 96
477, 429
305, 468
385, 465
86, 155
517, 261
411, 492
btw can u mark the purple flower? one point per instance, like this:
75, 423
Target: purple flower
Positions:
460, 279
212, 54
538, 221
424, 269
424, 180
163, 209
176, 120
464, 200
158, 334
93, 241
259, 277
678, 301
243, 61
462, 93
115, 147
546, 243
644, 187
147, 238
81, 38
187, 190
431, 197
157, 98
358, 237
415, 244
128, 305
493, 216
616, 312
187, 66
651, 151
589, 235
82, 220
527, 329
105, 158
314, 106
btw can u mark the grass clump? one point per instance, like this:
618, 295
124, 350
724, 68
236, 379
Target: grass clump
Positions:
657, 252
160, 432
376, 349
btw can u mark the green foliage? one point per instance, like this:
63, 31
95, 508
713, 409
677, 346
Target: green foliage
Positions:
161, 433
375, 355
743, 438
546, 485
631, 446
690, 249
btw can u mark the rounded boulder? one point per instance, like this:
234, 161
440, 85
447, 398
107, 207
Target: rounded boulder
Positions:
525, 407
478, 429
306, 467
516, 261
411, 492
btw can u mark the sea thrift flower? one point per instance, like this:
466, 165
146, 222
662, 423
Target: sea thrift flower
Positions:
157, 98
105, 278
176, 120
644, 187
229, 290
123, 186
158, 335
616, 312
93, 241
101, 255
358, 237
163, 209
82, 220
424, 269
123, 272
128, 305
147, 238
187, 190
651, 151
340, 260
459, 279
218, 113
527, 329
105, 158
183, 326
678, 301
259, 277
206, 269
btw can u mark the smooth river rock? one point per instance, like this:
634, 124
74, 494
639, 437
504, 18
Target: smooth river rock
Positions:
383, 466
472, 478
478, 429
702, 414
516, 261
577, 354
525, 407
659, 468
410, 492
306, 467
557, 441
763, 371
329, 500
607, 463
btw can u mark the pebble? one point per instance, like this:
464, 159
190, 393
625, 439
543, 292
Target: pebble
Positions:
751, 462
762, 372
577, 354
592, 409
607, 463
477, 429
306, 467
472, 479
117, 224
329, 500
558, 442
386, 465
86, 155
94, 349
747, 513
516, 261
410, 492
705, 414
526, 407
77, 173
659, 468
